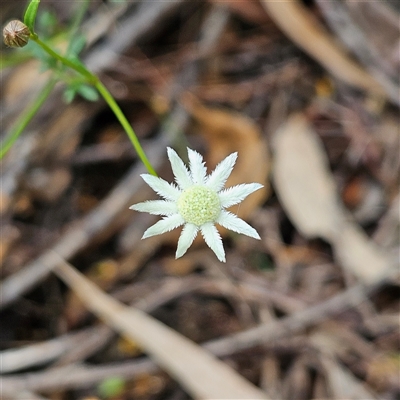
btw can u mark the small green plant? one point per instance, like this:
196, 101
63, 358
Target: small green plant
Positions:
67, 68
111, 387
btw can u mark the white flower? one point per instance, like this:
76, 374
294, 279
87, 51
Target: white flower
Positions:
197, 201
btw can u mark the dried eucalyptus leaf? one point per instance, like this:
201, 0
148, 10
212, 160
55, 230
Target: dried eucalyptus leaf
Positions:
307, 191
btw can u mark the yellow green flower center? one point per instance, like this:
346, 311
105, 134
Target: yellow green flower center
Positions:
198, 205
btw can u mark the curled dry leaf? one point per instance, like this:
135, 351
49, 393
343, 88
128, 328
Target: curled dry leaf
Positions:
308, 192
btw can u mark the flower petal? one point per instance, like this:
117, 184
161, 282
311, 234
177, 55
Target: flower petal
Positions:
189, 233
198, 170
156, 207
181, 173
236, 194
213, 240
218, 177
235, 224
161, 187
165, 225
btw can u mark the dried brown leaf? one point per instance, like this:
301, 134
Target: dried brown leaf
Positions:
308, 192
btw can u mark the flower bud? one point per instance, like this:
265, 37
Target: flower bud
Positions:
16, 34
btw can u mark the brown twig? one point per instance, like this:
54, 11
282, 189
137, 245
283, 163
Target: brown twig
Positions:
80, 376
305, 30
79, 235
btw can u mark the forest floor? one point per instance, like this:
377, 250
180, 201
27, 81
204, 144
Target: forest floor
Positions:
308, 95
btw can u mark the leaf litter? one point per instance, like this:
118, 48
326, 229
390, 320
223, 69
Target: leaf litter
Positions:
310, 311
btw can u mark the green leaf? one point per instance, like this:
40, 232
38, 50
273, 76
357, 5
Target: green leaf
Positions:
69, 95
77, 45
47, 24
30, 14
74, 59
88, 92
46, 62
111, 387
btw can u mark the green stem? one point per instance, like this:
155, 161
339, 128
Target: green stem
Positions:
107, 96
75, 66
95, 81
26, 117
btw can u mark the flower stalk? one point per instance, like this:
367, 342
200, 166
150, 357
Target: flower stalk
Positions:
26, 117
92, 79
